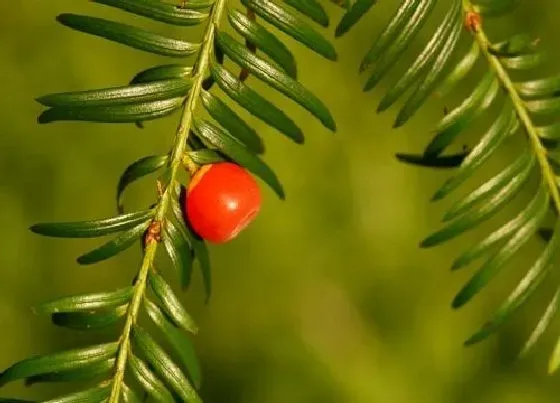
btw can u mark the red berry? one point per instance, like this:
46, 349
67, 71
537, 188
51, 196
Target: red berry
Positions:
222, 200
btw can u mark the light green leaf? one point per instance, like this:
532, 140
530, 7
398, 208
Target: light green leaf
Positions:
385, 56
531, 217
128, 395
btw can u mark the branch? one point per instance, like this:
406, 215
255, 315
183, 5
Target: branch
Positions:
474, 24
162, 206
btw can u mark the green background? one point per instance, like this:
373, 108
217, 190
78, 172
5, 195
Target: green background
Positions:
326, 298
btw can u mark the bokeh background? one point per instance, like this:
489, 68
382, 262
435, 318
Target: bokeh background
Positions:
327, 297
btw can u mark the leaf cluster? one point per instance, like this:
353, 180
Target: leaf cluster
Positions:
526, 111
208, 93
207, 87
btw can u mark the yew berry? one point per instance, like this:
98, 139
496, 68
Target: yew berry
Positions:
222, 200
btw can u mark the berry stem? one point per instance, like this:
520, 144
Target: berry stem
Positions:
162, 207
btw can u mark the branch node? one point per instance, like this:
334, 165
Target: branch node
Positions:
153, 233
473, 21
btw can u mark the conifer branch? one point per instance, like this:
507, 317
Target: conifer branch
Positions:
507, 83
223, 137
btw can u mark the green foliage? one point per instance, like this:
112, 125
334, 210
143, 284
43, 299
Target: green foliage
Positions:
137, 363
137, 366
527, 110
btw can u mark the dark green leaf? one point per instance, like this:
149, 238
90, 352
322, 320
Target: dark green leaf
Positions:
148, 380
87, 372
265, 41
138, 169
230, 121
129, 35
170, 303
114, 246
87, 302
127, 95
312, 9
164, 366
471, 219
178, 341
275, 78
196, 243
94, 228
176, 243
162, 72
57, 362
219, 138
255, 104
114, 114
97, 394
159, 11
439, 161
89, 320
353, 15
292, 24
206, 156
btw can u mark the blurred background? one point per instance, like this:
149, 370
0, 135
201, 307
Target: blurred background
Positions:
327, 297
